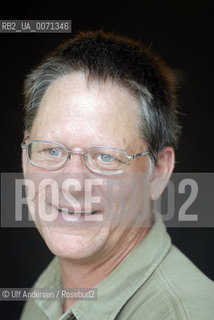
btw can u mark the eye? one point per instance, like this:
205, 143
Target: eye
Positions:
105, 157
54, 152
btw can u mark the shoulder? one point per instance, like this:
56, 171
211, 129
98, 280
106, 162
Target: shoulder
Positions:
186, 285
50, 278
32, 311
177, 289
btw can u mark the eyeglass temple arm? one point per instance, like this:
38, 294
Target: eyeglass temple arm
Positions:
133, 156
23, 144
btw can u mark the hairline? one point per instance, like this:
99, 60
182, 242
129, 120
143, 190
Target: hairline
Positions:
139, 92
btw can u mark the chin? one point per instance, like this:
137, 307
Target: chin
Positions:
76, 245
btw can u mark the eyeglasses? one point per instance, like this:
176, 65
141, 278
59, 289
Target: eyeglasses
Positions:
102, 160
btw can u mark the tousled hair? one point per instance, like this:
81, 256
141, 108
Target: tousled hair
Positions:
106, 56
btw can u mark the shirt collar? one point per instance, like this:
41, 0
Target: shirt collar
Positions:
118, 287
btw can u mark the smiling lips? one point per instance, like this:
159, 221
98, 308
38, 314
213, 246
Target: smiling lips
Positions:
80, 215
73, 212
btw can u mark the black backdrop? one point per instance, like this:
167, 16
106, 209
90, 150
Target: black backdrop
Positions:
181, 31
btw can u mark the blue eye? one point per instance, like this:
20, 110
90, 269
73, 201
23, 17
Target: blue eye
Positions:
53, 152
105, 157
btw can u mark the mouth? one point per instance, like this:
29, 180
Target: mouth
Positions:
76, 212
76, 215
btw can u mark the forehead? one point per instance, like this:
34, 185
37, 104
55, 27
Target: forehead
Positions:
86, 109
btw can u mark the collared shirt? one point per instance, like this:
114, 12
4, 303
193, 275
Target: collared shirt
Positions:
154, 282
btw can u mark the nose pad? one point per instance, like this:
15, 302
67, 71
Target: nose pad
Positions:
73, 163
69, 156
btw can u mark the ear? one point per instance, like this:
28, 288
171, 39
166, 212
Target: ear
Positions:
24, 155
162, 172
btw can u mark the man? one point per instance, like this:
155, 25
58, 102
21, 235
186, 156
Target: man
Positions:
100, 133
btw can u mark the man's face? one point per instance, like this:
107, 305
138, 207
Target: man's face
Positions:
81, 114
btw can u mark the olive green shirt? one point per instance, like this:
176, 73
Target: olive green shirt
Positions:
154, 282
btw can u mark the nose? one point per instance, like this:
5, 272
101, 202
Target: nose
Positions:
75, 152
75, 162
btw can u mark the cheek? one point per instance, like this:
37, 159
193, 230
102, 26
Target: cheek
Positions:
39, 185
127, 198
140, 165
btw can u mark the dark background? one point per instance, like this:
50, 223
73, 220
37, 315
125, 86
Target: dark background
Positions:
179, 31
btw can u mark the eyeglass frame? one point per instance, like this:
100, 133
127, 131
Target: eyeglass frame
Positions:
25, 145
